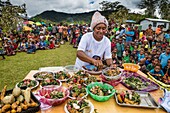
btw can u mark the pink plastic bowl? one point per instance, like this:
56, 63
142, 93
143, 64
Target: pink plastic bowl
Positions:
53, 102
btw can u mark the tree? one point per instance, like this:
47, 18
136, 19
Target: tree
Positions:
105, 5
150, 6
164, 9
119, 16
10, 15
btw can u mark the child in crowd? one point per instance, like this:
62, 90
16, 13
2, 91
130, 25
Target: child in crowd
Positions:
32, 48
114, 59
157, 72
166, 70
146, 45
148, 60
126, 58
2, 53
153, 63
52, 45
120, 49
141, 55
113, 44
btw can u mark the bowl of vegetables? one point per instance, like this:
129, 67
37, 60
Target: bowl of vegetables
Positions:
112, 73
28, 83
53, 96
50, 83
62, 76
43, 75
79, 106
90, 79
77, 92
100, 91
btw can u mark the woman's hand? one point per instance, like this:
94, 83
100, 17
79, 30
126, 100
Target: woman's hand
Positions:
98, 63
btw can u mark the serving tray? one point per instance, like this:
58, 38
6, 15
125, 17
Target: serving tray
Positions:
147, 101
150, 87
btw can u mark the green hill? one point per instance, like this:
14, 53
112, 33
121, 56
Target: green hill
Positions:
58, 17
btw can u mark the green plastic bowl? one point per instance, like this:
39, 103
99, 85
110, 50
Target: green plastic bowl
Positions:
103, 85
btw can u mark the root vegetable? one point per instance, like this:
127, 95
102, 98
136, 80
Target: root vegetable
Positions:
14, 105
19, 109
6, 107
8, 99
27, 95
119, 98
13, 111
20, 98
16, 92
23, 106
3, 92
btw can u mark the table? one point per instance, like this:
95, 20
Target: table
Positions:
109, 106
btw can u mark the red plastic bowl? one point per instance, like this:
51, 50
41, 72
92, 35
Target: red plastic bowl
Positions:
53, 102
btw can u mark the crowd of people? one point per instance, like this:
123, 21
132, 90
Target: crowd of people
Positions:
40, 38
148, 48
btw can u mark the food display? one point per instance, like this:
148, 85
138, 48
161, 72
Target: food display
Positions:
89, 80
128, 97
111, 73
18, 100
28, 83
75, 80
135, 99
43, 75
100, 91
77, 91
82, 73
47, 83
62, 76
53, 96
137, 82
79, 106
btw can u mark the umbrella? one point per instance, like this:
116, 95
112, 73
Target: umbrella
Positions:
38, 23
26, 22
26, 28
43, 23
30, 22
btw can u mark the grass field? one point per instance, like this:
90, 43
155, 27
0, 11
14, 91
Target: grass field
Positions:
14, 68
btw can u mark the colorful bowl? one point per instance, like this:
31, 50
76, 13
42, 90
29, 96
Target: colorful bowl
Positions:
103, 85
53, 102
116, 77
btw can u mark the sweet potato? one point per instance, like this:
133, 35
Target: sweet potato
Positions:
6, 107
119, 98
23, 106
13, 111
19, 109
14, 105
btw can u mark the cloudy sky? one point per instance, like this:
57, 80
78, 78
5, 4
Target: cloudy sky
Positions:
69, 6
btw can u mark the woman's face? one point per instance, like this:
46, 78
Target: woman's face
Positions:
99, 31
